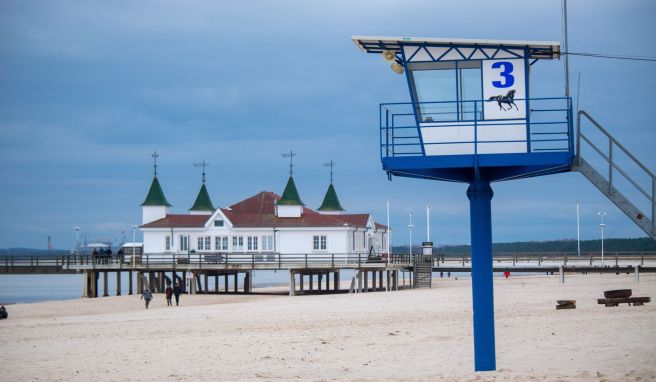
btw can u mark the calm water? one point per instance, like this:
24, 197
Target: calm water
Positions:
33, 288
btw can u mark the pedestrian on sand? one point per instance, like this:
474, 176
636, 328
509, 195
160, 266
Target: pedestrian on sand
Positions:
169, 293
176, 293
147, 296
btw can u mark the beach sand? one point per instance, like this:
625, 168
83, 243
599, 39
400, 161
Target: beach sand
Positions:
410, 335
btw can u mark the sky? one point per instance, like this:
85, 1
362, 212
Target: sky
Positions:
89, 89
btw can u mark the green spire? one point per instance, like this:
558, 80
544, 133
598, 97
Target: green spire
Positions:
155, 195
290, 196
330, 201
203, 201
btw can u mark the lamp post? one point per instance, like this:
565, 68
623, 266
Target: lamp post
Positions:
578, 231
387, 236
602, 225
410, 227
134, 240
77, 240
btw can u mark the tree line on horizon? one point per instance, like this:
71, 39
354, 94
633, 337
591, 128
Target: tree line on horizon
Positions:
610, 245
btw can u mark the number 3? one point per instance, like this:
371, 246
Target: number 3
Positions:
509, 79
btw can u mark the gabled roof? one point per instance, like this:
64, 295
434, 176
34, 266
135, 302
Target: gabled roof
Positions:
181, 221
330, 201
290, 196
258, 211
155, 195
203, 201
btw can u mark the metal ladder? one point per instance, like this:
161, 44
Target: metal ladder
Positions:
606, 184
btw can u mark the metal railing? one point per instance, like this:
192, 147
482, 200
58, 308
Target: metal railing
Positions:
200, 260
549, 125
612, 258
281, 261
613, 168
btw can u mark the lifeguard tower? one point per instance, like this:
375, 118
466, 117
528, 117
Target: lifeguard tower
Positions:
473, 119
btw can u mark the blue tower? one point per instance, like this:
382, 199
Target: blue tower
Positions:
471, 119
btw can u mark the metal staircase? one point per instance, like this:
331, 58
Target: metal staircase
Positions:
606, 183
423, 271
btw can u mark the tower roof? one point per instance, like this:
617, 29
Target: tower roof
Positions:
155, 195
331, 201
203, 201
290, 196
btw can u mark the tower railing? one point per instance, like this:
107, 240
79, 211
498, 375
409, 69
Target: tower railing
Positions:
549, 125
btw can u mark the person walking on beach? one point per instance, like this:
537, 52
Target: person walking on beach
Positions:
169, 293
176, 293
147, 296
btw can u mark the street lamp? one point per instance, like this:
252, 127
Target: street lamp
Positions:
134, 241
77, 239
602, 225
410, 227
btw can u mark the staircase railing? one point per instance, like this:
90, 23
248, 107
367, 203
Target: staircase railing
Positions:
613, 167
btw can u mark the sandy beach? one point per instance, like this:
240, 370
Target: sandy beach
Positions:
412, 335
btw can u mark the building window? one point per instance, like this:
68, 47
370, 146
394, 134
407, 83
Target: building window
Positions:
184, 243
252, 243
167, 245
267, 243
218, 223
221, 243
319, 243
204, 243
237, 243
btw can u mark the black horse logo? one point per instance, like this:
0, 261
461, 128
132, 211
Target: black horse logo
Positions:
507, 99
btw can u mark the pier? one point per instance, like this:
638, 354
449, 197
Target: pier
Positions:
308, 273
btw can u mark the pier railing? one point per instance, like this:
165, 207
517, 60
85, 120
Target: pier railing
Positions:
52, 263
73, 263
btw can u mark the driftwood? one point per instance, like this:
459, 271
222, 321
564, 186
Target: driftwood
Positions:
618, 293
566, 304
628, 300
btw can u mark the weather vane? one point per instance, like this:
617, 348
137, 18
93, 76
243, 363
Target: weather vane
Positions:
291, 156
203, 164
331, 165
155, 155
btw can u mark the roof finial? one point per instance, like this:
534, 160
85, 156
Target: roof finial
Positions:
331, 165
291, 156
203, 165
155, 155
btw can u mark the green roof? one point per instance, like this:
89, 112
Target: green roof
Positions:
330, 201
290, 195
155, 195
203, 201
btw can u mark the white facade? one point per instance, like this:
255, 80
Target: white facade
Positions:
218, 235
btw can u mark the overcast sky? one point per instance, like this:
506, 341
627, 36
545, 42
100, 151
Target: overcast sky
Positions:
88, 89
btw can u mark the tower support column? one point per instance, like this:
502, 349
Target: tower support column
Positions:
480, 212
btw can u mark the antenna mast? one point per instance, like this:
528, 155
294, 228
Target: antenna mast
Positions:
155, 155
291, 156
566, 48
331, 165
203, 164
